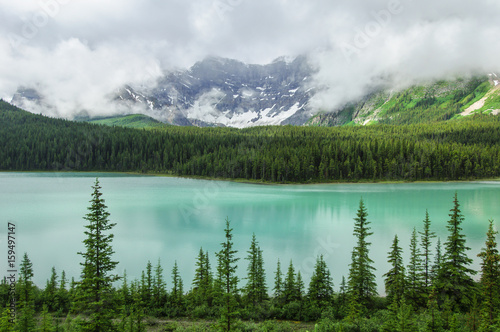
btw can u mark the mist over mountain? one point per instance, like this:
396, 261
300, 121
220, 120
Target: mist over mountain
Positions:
213, 92
225, 92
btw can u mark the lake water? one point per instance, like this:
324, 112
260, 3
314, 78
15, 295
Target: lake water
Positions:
171, 218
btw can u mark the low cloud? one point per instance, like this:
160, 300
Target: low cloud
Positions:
75, 53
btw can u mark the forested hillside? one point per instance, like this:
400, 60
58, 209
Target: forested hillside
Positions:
467, 148
422, 103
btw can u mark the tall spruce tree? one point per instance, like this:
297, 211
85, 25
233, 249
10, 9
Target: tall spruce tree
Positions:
202, 280
159, 287
426, 237
228, 280
96, 285
490, 280
289, 287
25, 319
261, 279
278, 282
49, 294
148, 290
454, 278
436, 266
177, 294
255, 288
395, 278
414, 282
321, 286
361, 280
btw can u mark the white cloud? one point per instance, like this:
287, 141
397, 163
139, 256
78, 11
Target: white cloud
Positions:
76, 52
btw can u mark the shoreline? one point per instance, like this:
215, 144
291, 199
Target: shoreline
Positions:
266, 183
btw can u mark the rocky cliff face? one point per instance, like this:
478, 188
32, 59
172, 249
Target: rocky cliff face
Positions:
224, 92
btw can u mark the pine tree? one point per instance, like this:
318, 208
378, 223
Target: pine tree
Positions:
177, 287
96, 284
47, 322
148, 298
438, 260
202, 280
490, 279
261, 279
289, 288
426, 241
62, 294
278, 282
49, 294
361, 281
395, 277
342, 299
321, 286
414, 283
159, 287
125, 292
299, 286
404, 317
228, 279
454, 281
435, 323
25, 321
255, 287
136, 316
6, 323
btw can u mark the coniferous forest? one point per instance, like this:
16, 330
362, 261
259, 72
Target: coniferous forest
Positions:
467, 148
435, 290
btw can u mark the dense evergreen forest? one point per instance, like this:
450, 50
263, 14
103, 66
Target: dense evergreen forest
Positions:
467, 148
433, 291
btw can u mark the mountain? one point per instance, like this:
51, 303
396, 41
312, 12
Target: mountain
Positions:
216, 92
221, 92
429, 102
225, 92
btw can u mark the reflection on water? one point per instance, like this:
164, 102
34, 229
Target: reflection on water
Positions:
171, 218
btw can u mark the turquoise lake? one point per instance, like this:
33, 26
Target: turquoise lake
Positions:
171, 218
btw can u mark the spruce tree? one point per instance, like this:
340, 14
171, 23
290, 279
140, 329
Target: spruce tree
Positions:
228, 281
25, 319
159, 287
426, 237
361, 280
299, 286
434, 323
149, 285
320, 290
490, 280
255, 288
46, 321
49, 294
177, 287
342, 298
289, 287
414, 282
454, 279
436, 266
6, 324
96, 285
62, 294
395, 277
136, 316
261, 279
278, 282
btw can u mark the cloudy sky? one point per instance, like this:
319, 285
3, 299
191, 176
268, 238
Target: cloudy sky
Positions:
77, 51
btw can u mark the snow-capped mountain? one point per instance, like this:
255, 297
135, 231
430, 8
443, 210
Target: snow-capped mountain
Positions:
214, 92
224, 92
